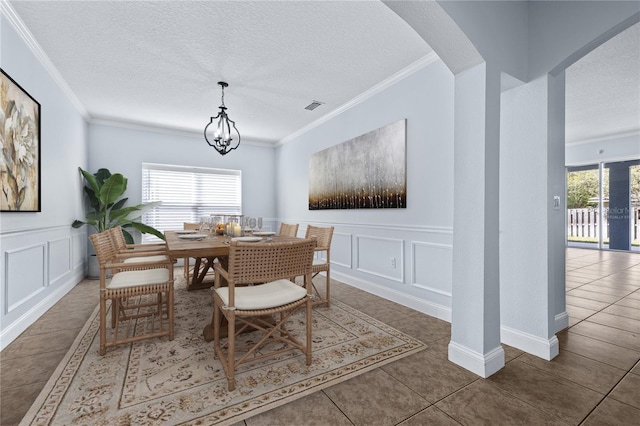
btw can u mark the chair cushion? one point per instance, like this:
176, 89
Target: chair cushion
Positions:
157, 258
319, 262
138, 278
264, 296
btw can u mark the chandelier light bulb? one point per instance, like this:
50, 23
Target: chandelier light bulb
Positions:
222, 138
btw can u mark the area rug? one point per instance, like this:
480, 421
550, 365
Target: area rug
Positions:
180, 382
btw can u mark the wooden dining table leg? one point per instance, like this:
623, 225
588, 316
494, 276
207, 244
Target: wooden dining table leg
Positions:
200, 270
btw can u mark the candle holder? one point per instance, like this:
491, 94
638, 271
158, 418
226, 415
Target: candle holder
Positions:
234, 226
217, 225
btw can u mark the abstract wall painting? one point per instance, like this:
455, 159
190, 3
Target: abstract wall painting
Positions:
366, 172
20, 145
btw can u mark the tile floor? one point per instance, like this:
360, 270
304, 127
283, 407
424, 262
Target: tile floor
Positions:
594, 381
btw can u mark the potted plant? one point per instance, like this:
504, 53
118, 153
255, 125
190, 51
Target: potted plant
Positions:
108, 210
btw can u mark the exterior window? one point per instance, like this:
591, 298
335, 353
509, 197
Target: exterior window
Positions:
188, 193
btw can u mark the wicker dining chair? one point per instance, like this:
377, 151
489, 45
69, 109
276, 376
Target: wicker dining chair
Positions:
288, 230
322, 264
134, 293
137, 253
258, 288
122, 246
188, 268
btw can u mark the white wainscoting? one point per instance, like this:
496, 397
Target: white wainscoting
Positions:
38, 267
382, 257
424, 274
363, 256
341, 249
24, 265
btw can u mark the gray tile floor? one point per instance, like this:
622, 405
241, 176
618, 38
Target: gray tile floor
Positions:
594, 381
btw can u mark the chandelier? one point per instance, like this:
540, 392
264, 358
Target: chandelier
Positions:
219, 135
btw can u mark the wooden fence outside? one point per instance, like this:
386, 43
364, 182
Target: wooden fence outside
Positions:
584, 223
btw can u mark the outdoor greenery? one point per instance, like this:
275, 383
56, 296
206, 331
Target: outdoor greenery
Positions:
103, 191
582, 187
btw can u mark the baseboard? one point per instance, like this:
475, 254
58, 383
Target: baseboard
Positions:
535, 345
13, 330
562, 321
420, 305
484, 365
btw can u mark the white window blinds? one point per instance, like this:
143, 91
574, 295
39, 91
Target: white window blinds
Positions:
188, 193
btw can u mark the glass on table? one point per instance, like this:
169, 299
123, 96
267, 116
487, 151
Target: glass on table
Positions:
259, 224
205, 224
252, 223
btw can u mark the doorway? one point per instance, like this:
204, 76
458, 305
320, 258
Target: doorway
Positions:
603, 206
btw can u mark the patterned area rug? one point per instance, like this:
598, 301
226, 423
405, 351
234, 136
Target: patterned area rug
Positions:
158, 381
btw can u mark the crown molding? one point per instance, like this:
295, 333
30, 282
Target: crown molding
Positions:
172, 131
403, 73
19, 26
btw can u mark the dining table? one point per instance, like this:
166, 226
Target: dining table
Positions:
206, 248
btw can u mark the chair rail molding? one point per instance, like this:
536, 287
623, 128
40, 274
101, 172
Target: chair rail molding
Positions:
37, 268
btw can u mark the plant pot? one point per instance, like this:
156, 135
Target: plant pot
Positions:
94, 268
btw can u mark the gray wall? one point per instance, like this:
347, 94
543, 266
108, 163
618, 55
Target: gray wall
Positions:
124, 149
418, 237
42, 256
616, 148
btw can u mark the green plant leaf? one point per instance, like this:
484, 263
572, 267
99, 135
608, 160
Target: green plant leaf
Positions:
127, 236
94, 202
112, 189
103, 190
125, 213
91, 180
145, 229
119, 204
102, 175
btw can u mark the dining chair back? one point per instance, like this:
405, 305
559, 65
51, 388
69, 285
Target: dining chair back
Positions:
139, 291
258, 288
322, 261
288, 230
136, 253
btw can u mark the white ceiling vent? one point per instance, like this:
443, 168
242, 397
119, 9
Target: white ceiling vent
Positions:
313, 105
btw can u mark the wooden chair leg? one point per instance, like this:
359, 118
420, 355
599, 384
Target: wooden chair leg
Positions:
170, 312
231, 351
115, 312
328, 287
309, 307
103, 325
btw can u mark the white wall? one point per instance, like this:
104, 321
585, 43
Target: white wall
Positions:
418, 237
531, 229
41, 256
485, 23
561, 32
616, 148
124, 149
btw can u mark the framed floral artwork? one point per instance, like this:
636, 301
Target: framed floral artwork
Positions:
20, 144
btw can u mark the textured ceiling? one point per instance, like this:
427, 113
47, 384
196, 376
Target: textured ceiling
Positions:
157, 63
603, 89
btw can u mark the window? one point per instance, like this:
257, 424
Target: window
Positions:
188, 193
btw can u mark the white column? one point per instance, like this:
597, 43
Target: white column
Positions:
475, 326
532, 216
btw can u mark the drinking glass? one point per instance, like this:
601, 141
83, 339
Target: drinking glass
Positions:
259, 224
205, 224
252, 223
